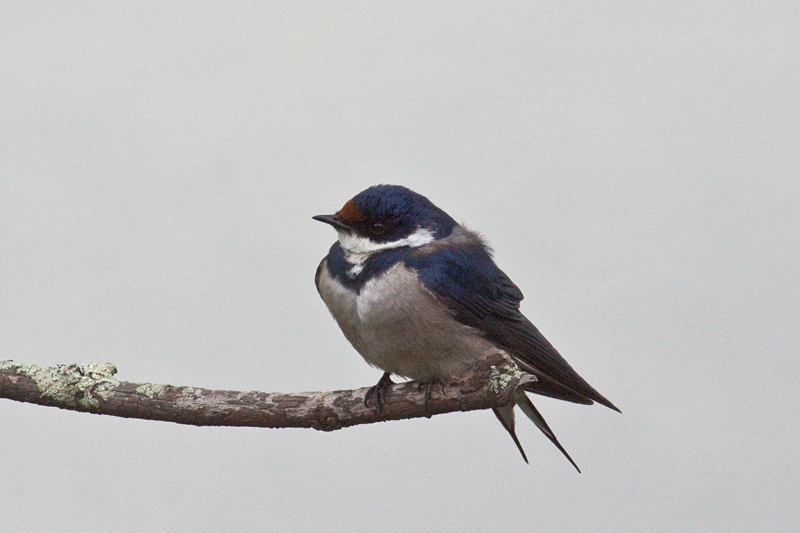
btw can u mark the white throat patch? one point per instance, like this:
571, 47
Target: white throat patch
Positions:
358, 249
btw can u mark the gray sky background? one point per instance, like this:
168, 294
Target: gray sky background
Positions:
635, 166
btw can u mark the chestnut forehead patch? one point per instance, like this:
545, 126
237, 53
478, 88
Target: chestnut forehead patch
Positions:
350, 212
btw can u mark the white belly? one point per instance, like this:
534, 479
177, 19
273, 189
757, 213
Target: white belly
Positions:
400, 327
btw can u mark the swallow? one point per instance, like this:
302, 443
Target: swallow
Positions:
419, 296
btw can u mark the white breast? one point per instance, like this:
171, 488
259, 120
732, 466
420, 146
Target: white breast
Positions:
401, 327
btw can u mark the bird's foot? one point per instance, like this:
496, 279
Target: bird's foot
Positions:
379, 390
428, 386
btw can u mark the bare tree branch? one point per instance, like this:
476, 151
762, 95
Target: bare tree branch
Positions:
93, 388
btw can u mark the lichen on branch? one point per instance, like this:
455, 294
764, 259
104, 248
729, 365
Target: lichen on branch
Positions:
94, 388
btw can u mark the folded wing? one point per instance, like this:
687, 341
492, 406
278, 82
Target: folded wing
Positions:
465, 278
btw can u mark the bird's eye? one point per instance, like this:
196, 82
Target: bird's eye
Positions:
377, 228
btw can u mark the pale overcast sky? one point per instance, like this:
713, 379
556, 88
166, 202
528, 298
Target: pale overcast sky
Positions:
635, 166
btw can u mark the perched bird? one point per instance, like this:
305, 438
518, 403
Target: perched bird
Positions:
419, 296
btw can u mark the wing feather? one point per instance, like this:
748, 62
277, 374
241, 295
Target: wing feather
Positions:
463, 275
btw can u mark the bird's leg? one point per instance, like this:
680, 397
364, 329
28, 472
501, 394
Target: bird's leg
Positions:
428, 386
379, 390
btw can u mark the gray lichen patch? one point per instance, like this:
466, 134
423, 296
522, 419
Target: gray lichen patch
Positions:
5, 364
151, 390
71, 385
501, 376
187, 391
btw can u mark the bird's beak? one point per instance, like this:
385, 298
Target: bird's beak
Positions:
334, 221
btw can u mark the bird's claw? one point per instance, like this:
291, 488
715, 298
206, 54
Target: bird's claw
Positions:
428, 386
379, 390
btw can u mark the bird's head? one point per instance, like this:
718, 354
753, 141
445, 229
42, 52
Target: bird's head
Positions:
388, 216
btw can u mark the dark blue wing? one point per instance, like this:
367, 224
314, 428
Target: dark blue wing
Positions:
466, 279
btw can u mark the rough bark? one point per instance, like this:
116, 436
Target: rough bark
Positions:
93, 388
